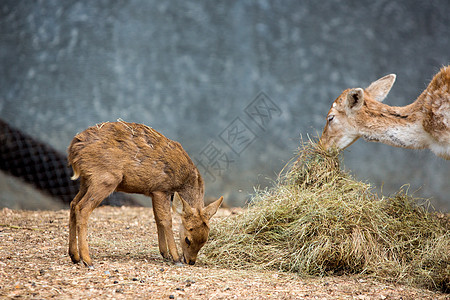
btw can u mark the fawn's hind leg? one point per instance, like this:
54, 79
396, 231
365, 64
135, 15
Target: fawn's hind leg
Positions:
73, 248
96, 192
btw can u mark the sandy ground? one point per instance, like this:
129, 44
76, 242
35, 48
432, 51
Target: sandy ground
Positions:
34, 264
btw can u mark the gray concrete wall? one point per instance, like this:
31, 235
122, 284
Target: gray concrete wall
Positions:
199, 71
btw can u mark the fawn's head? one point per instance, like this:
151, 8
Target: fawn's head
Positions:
194, 229
347, 112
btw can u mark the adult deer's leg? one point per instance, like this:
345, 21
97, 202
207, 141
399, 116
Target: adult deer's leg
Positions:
96, 192
73, 248
163, 218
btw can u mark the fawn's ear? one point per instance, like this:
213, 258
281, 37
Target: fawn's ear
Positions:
355, 99
180, 205
380, 89
212, 208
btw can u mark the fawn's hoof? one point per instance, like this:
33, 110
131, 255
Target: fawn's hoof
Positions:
165, 255
75, 258
88, 264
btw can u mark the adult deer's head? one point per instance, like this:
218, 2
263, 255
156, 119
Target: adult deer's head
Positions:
348, 113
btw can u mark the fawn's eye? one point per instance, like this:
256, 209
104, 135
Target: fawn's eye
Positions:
188, 242
330, 118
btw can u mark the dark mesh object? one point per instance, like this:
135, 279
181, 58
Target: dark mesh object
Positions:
42, 166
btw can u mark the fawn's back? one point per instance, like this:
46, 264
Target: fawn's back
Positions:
144, 159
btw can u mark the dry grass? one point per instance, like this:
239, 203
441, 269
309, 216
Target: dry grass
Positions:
318, 220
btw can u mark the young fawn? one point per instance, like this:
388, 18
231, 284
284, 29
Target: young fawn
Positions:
422, 124
134, 158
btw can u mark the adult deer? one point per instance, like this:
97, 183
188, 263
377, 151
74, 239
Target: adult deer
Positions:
134, 158
422, 124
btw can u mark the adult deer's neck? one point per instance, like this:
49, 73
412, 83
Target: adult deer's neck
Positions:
395, 126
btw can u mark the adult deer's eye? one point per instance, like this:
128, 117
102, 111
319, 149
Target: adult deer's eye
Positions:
330, 118
188, 242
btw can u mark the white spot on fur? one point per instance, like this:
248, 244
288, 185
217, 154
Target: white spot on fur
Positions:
441, 150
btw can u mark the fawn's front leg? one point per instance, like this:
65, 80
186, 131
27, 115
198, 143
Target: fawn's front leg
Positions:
163, 218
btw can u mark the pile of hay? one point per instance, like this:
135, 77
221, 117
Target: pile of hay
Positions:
318, 220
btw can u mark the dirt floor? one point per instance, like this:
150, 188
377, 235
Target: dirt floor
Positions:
34, 264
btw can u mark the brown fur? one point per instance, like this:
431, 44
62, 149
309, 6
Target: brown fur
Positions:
424, 123
134, 158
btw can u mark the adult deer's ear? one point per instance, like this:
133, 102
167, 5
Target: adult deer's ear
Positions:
380, 88
355, 99
211, 209
180, 205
